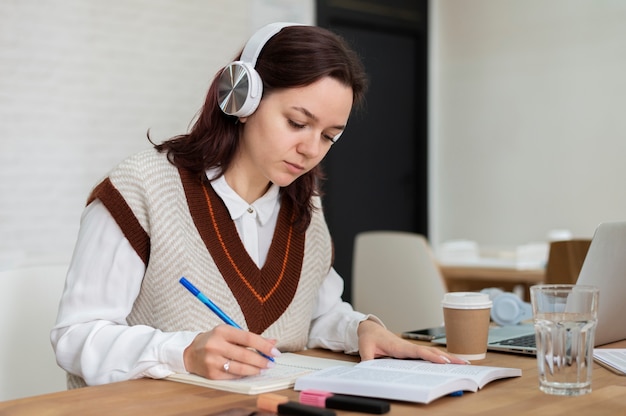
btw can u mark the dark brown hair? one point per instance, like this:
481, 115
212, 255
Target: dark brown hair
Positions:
296, 56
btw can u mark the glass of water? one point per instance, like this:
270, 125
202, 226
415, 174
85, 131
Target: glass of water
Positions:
565, 319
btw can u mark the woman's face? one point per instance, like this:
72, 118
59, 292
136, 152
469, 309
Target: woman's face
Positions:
292, 130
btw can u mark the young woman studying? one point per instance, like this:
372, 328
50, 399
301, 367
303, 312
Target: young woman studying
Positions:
233, 206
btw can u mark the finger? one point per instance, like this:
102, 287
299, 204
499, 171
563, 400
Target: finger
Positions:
436, 355
252, 342
258, 343
238, 369
369, 351
235, 344
250, 357
221, 368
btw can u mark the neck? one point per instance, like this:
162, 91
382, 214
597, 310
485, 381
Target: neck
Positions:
249, 190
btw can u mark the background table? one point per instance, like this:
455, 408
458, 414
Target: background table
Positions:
474, 278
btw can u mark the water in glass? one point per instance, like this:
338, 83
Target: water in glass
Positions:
564, 352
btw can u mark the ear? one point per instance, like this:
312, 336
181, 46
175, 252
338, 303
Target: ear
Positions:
243, 120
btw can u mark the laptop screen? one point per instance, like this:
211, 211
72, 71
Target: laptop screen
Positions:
605, 267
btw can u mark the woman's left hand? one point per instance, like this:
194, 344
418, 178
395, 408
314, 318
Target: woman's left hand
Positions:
377, 341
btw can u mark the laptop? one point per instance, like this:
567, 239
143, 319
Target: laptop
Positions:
604, 267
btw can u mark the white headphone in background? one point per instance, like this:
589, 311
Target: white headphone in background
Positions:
240, 86
507, 308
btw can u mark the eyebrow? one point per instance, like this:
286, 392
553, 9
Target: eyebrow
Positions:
313, 117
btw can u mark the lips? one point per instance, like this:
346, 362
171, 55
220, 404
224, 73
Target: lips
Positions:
294, 168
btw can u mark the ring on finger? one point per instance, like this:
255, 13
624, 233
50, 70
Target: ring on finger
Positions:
226, 366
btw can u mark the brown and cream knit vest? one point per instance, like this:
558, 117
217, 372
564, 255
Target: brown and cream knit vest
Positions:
180, 227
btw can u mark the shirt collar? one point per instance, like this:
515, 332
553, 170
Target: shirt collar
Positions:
237, 206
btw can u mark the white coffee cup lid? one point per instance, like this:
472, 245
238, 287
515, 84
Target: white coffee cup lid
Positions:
466, 300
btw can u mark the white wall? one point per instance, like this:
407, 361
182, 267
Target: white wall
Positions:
526, 102
81, 81
527, 118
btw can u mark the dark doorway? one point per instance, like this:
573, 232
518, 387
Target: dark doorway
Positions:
377, 172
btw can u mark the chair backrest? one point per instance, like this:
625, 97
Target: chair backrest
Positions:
396, 277
29, 299
565, 259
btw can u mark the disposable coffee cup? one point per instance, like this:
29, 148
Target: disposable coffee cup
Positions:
467, 317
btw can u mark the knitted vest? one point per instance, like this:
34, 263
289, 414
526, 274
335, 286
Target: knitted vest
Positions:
180, 227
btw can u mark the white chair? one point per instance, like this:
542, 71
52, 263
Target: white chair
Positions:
29, 299
396, 277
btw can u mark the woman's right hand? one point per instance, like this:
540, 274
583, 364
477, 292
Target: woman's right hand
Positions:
226, 352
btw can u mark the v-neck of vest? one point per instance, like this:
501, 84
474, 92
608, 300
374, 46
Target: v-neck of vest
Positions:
265, 293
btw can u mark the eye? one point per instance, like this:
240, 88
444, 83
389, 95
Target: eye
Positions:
295, 125
334, 138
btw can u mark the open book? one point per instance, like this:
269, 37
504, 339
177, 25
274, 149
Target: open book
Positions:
407, 380
289, 367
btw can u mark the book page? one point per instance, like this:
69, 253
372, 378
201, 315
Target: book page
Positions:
385, 383
613, 358
289, 366
481, 375
408, 380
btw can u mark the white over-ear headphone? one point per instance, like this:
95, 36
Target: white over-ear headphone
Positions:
507, 308
240, 86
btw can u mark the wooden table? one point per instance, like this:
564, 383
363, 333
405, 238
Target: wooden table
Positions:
474, 278
515, 396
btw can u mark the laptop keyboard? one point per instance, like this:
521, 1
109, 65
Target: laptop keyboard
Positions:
521, 341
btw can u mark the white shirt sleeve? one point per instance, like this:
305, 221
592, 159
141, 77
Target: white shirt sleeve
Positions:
91, 337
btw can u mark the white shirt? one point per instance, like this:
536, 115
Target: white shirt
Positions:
91, 337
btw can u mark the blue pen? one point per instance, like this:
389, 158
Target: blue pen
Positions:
194, 290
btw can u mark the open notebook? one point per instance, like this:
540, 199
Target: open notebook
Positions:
605, 267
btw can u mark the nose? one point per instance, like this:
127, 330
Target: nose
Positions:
310, 144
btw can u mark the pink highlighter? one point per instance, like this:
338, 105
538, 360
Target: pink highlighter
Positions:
319, 398
281, 405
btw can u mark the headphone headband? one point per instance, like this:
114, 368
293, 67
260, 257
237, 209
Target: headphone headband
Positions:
255, 44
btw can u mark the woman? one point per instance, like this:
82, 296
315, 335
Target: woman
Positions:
234, 207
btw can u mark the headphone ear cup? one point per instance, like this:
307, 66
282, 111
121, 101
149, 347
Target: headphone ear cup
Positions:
239, 89
508, 309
